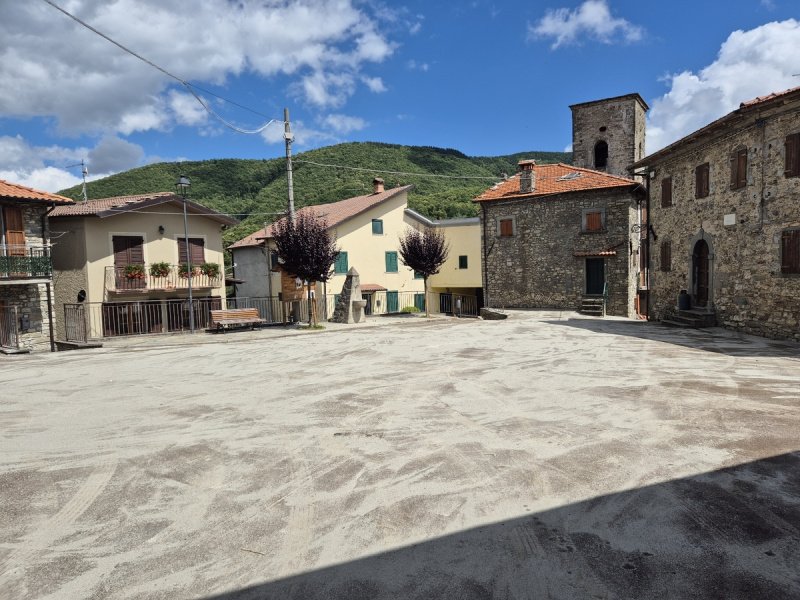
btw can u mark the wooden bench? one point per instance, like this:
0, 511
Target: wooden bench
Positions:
235, 317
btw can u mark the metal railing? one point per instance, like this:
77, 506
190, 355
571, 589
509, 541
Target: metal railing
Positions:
24, 262
176, 277
9, 332
96, 320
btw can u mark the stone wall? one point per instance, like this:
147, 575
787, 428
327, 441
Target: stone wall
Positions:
742, 227
537, 266
620, 122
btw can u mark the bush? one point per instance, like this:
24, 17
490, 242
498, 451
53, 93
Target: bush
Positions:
409, 309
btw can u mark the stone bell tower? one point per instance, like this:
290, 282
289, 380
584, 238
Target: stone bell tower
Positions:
608, 135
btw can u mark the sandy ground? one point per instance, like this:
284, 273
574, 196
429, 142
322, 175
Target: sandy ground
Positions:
544, 456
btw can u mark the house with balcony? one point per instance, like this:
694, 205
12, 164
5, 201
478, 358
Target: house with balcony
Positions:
127, 265
26, 318
367, 230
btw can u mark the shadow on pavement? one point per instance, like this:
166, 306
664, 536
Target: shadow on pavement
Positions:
732, 533
714, 339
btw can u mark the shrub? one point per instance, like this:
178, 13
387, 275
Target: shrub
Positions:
409, 309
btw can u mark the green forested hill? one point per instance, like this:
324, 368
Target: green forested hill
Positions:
254, 191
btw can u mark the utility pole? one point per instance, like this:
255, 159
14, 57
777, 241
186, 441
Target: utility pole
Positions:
289, 138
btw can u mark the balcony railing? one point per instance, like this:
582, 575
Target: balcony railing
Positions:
174, 278
25, 262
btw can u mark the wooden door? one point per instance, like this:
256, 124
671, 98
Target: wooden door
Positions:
14, 231
700, 266
595, 276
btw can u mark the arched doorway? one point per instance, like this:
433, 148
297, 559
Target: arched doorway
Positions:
700, 273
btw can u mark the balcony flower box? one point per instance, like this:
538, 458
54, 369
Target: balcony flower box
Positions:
210, 270
134, 272
183, 271
160, 269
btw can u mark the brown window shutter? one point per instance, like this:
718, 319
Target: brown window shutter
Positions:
792, 165
701, 181
739, 169
14, 230
790, 251
197, 248
506, 227
666, 192
128, 250
666, 256
734, 176
594, 221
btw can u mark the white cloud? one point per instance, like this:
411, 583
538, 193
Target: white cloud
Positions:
343, 124
114, 154
413, 65
187, 109
48, 179
375, 84
592, 19
63, 70
749, 64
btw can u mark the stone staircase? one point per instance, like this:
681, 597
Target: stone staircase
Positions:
594, 306
693, 319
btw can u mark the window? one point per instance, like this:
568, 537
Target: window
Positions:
701, 181
593, 220
666, 192
340, 266
196, 251
377, 227
600, 155
418, 275
666, 255
792, 168
462, 262
128, 250
739, 169
506, 227
790, 251
12, 231
391, 262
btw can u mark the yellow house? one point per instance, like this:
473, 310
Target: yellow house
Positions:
123, 266
367, 231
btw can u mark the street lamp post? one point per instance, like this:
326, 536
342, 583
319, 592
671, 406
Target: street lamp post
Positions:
182, 185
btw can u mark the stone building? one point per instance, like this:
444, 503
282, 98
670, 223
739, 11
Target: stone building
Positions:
26, 316
724, 207
608, 135
557, 236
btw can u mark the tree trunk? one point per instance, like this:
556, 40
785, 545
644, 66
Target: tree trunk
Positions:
425, 286
310, 307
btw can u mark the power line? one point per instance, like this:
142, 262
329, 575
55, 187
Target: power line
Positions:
319, 164
190, 87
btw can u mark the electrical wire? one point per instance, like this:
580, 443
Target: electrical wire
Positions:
189, 87
319, 164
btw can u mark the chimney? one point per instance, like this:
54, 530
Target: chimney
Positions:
527, 176
377, 185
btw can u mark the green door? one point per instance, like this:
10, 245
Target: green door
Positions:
391, 302
419, 302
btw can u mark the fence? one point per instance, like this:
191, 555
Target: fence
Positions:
9, 333
139, 278
95, 320
21, 262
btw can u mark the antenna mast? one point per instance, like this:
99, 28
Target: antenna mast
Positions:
84, 172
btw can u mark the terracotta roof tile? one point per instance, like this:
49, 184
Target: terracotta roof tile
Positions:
20, 192
372, 287
333, 213
555, 179
107, 207
767, 98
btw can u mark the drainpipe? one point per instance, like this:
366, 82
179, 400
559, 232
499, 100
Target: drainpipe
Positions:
46, 243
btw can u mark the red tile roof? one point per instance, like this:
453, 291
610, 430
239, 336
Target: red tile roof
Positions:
556, 179
20, 192
333, 214
768, 97
372, 287
116, 205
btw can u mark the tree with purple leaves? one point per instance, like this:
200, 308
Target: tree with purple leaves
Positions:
306, 250
425, 253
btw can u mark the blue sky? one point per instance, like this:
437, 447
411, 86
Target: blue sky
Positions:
484, 77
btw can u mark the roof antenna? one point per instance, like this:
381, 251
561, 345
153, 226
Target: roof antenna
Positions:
84, 172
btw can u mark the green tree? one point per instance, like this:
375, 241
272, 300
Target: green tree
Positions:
306, 250
425, 253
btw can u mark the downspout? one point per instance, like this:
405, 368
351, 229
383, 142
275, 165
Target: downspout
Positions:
46, 240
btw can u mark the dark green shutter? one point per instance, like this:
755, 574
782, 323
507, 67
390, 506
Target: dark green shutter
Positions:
340, 266
377, 227
391, 262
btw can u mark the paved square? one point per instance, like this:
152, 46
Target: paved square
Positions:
544, 456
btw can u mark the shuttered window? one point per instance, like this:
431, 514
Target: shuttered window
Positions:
128, 250
792, 145
506, 227
739, 169
14, 231
594, 221
391, 262
701, 181
197, 247
377, 227
463, 262
666, 255
666, 192
790, 251
341, 266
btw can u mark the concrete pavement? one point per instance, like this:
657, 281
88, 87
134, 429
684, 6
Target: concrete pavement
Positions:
544, 456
